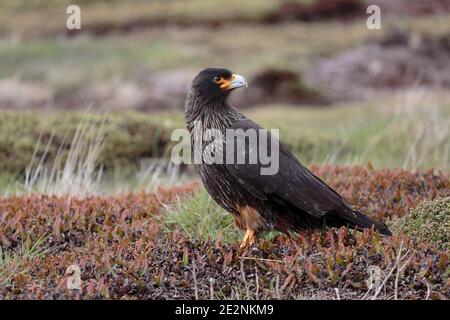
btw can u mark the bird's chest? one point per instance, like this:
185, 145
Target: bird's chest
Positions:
210, 158
222, 186
208, 140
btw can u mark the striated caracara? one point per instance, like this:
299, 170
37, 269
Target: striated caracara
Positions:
290, 199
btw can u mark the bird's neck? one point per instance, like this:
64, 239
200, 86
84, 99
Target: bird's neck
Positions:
209, 113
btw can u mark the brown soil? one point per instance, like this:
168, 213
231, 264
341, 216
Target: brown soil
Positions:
352, 9
277, 86
317, 10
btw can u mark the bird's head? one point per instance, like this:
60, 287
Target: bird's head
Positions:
216, 83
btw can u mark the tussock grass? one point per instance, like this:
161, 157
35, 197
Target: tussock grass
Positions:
151, 175
75, 167
428, 127
75, 173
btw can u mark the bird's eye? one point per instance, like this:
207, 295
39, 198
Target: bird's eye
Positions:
217, 79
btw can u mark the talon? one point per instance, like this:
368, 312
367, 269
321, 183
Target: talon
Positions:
249, 239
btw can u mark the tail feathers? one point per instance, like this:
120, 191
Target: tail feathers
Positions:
359, 221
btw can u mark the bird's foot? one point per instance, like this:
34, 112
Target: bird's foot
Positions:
249, 239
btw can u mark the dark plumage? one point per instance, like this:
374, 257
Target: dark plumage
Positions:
290, 200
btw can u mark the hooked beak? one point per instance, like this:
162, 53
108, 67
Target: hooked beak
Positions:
237, 81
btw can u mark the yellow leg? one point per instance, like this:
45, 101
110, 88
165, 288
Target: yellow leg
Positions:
249, 238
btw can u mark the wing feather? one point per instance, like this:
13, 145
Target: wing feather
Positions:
292, 182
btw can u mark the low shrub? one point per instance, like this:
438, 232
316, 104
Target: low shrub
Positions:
125, 250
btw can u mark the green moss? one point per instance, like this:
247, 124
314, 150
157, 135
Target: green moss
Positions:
428, 222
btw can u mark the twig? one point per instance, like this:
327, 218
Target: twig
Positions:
261, 259
194, 275
428, 290
247, 289
396, 264
277, 287
337, 293
397, 277
389, 274
257, 283
211, 288
367, 293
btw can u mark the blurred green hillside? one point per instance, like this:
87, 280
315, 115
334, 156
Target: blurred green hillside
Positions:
339, 92
142, 54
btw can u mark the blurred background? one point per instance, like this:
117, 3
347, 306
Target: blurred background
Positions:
99, 104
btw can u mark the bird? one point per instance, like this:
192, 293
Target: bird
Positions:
290, 200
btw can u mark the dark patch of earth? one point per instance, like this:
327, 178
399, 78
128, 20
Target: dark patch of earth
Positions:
400, 60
